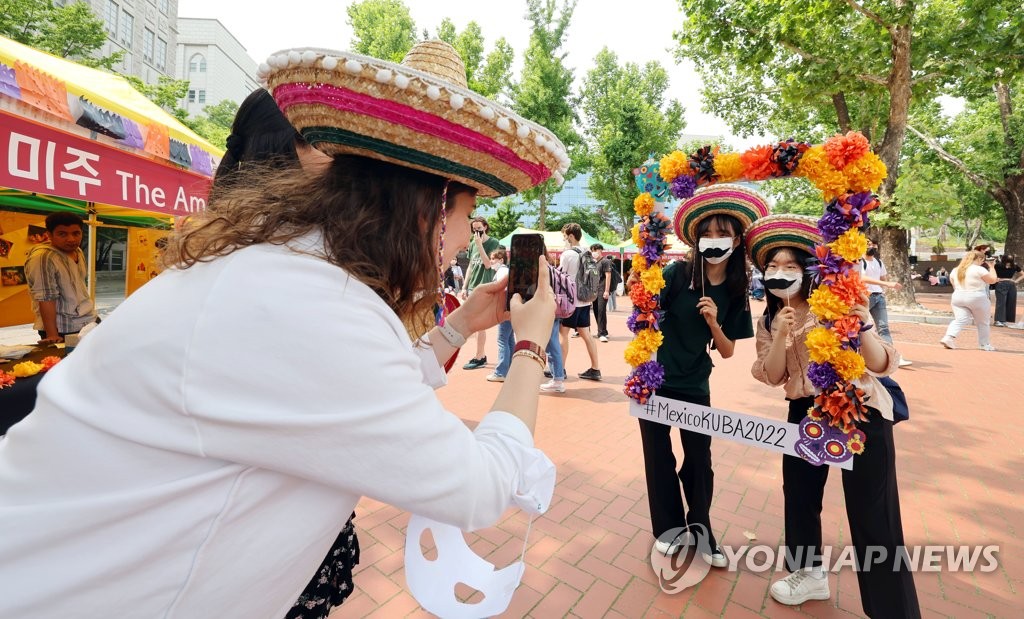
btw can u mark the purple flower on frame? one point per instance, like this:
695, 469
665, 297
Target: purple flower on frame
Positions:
822, 375
651, 251
683, 186
832, 225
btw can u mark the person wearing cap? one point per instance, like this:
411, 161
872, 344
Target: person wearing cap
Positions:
706, 308
783, 246
196, 456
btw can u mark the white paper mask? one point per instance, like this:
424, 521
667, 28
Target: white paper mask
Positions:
715, 250
782, 284
433, 583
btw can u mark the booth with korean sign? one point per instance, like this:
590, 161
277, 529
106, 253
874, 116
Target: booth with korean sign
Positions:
82, 140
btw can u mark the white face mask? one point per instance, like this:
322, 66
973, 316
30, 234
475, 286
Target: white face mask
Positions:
783, 284
715, 250
433, 583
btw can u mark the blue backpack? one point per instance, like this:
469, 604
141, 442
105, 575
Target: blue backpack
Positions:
900, 410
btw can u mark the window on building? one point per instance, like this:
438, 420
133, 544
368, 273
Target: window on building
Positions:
127, 28
126, 63
148, 43
197, 64
117, 260
113, 10
191, 96
164, 6
161, 54
202, 96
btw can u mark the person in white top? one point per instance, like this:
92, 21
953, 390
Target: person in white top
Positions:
970, 298
580, 320
197, 453
506, 336
875, 276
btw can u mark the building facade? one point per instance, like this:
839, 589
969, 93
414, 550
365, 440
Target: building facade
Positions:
215, 64
146, 30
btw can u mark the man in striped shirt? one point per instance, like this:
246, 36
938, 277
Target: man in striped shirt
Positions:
56, 273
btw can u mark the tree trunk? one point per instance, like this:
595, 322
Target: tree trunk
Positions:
895, 245
842, 112
542, 211
1011, 198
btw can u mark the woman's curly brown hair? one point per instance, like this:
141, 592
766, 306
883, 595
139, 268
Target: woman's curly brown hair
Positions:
378, 220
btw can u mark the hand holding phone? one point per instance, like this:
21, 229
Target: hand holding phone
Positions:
524, 266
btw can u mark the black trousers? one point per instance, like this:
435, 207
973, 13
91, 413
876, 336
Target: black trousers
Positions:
601, 314
872, 509
1006, 302
698, 480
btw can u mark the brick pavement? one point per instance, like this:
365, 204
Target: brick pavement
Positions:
959, 470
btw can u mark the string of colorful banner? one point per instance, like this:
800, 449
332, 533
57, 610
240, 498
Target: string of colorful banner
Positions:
847, 173
45, 92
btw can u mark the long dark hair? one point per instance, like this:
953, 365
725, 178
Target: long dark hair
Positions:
378, 220
774, 303
260, 132
736, 276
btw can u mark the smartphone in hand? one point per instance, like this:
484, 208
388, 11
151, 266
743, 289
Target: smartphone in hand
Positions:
525, 253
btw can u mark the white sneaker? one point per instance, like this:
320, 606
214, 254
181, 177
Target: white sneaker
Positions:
717, 558
669, 548
495, 378
999, 323
603, 338
988, 348
553, 386
905, 362
948, 342
799, 587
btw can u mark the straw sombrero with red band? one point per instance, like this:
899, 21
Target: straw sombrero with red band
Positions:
744, 204
418, 114
764, 235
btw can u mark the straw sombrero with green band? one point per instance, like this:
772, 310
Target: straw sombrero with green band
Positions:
767, 233
744, 204
418, 114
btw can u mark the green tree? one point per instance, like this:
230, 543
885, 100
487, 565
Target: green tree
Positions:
167, 93
984, 147
488, 75
544, 91
382, 28
71, 31
593, 221
505, 219
626, 118
779, 65
215, 122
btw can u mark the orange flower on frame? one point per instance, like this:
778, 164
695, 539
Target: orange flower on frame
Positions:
843, 150
757, 163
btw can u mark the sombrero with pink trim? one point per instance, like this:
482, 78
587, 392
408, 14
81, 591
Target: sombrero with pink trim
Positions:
782, 230
418, 114
744, 204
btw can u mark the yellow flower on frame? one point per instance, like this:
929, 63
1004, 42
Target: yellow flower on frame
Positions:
639, 264
852, 245
653, 279
673, 165
826, 305
822, 345
849, 365
636, 236
643, 204
637, 352
728, 167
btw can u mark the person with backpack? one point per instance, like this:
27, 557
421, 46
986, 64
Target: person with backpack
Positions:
580, 265
705, 308
606, 289
783, 246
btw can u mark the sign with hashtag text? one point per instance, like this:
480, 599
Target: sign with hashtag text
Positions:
761, 432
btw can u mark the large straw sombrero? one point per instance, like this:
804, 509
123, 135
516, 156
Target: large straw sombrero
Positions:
419, 114
744, 204
767, 233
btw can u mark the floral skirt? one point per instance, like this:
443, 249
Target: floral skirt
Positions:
332, 582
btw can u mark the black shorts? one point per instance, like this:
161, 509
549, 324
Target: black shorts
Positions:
580, 319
